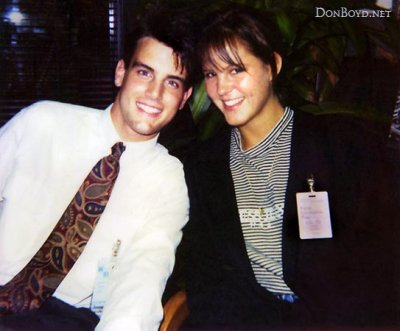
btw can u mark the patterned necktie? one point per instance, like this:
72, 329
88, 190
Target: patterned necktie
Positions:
38, 280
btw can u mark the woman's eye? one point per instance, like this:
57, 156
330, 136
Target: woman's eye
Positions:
237, 70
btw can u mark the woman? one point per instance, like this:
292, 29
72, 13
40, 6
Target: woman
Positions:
248, 266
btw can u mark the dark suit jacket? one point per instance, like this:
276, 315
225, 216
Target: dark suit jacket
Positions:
345, 280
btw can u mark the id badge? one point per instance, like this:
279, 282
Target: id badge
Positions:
313, 213
104, 270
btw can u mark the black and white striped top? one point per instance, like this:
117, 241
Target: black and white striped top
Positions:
260, 177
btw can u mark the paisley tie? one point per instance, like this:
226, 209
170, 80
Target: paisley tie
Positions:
38, 280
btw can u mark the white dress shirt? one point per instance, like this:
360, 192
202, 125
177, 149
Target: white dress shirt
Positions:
46, 151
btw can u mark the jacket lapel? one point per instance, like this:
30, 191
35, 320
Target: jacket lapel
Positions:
307, 157
224, 205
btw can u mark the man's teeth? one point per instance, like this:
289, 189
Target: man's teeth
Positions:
149, 109
232, 102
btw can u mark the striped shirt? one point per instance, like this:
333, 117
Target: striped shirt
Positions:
260, 177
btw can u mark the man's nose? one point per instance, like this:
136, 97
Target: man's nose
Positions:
154, 89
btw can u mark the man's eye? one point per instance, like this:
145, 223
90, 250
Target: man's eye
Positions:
143, 73
209, 74
173, 84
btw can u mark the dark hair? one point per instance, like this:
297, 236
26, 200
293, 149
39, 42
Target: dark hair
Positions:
255, 28
172, 27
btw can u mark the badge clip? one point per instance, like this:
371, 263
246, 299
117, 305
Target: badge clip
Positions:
313, 213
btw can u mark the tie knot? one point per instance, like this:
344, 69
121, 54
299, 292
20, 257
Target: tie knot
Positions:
117, 150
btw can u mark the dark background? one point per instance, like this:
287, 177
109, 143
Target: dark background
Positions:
63, 50
66, 50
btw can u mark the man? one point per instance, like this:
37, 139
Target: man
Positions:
49, 148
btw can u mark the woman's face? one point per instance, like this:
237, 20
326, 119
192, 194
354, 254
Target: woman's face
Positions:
242, 93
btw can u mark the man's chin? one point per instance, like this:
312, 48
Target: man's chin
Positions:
145, 130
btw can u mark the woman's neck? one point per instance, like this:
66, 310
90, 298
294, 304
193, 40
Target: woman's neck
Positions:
254, 133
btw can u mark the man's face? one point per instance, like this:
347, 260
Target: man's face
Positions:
151, 91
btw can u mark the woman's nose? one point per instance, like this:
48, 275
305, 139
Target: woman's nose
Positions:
225, 84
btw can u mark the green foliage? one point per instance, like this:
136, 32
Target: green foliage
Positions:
315, 49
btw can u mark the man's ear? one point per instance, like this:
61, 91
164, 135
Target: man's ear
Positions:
278, 61
119, 73
186, 96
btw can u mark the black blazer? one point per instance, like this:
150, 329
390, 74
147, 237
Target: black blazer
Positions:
345, 280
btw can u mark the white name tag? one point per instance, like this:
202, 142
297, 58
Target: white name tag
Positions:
314, 215
104, 270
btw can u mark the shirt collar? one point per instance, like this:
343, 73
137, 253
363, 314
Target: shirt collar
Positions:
269, 140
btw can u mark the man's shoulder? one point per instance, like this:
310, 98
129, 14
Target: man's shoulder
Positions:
56, 109
164, 160
161, 167
45, 115
50, 119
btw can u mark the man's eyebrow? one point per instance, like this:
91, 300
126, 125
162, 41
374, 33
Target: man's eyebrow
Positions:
141, 64
180, 78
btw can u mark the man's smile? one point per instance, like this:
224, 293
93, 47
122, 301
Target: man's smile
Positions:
148, 109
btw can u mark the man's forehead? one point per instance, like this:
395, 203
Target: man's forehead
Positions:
149, 48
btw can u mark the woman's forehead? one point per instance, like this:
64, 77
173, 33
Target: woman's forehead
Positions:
227, 52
